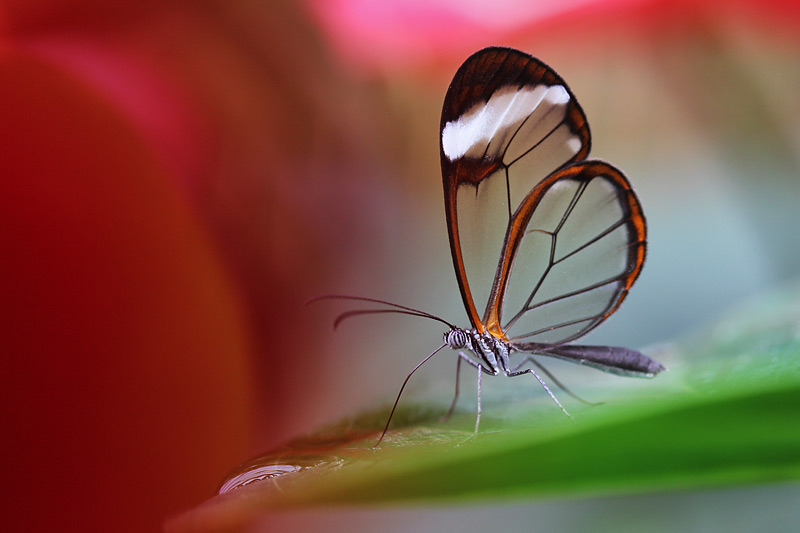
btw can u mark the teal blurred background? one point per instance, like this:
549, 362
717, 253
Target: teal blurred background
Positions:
302, 138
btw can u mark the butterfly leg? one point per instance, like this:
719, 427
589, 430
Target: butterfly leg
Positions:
478, 418
559, 384
481, 369
446, 417
511, 374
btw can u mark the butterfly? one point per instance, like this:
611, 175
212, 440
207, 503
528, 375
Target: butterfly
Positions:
545, 243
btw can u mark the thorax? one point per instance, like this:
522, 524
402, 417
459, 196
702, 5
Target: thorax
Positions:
491, 352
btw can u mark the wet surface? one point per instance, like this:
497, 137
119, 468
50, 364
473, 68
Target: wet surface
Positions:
273, 466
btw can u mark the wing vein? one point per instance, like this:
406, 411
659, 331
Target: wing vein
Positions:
551, 262
594, 239
543, 139
577, 292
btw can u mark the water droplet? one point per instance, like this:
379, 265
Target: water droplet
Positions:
271, 466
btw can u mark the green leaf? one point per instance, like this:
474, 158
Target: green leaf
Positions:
725, 413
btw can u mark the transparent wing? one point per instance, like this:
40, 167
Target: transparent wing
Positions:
508, 121
573, 250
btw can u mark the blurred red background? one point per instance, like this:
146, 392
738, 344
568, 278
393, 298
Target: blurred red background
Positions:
176, 178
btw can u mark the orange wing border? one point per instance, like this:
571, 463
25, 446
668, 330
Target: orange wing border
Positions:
480, 76
582, 171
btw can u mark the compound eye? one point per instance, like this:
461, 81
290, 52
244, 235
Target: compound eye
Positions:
456, 339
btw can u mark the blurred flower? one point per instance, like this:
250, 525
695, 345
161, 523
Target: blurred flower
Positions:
168, 181
384, 35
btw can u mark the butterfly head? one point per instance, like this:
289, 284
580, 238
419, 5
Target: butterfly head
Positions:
458, 338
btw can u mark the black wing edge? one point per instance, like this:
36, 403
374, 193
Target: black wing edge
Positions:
612, 359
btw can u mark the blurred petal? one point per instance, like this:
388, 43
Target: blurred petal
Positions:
125, 356
381, 35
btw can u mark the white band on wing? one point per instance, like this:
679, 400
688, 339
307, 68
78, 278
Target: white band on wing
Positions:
491, 122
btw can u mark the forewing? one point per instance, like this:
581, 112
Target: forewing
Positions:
573, 250
508, 121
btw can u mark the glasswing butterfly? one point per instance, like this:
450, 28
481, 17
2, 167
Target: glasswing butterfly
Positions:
545, 241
